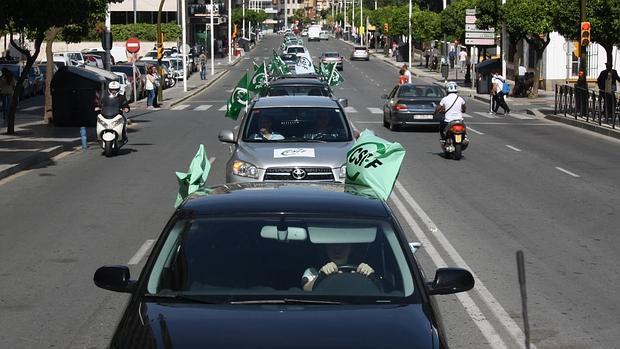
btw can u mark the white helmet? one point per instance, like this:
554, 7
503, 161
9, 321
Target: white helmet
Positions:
452, 87
114, 85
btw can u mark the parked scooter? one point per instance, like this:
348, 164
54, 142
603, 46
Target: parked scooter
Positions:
110, 125
456, 140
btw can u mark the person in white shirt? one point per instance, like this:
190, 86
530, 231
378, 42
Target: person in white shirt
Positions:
498, 82
462, 59
407, 73
452, 105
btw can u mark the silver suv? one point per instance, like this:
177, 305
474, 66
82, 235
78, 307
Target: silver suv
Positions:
292, 138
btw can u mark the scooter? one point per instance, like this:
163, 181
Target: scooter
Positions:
456, 140
110, 126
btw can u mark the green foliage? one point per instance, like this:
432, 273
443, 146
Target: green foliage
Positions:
453, 19
426, 25
397, 18
142, 31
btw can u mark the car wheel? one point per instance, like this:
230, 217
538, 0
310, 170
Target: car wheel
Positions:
385, 123
393, 127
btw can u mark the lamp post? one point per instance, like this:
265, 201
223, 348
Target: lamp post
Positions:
184, 36
361, 21
243, 17
211, 39
285, 15
409, 38
229, 31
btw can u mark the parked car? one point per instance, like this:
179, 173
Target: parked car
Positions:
412, 104
36, 81
126, 86
324, 35
332, 57
239, 260
43, 70
128, 70
93, 60
360, 53
304, 32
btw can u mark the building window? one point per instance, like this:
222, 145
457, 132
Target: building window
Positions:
120, 17
145, 17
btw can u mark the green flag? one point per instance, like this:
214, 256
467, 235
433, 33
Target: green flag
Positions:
255, 65
335, 78
259, 79
374, 162
238, 99
195, 178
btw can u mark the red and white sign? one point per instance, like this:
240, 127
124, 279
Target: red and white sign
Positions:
132, 45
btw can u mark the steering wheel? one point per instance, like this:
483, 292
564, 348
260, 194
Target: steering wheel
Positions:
345, 280
320, 136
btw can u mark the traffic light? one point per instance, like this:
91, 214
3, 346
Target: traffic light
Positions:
585, 33
385, 28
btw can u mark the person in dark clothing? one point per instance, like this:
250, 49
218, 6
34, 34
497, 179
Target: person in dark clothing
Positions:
114, 88
607, 88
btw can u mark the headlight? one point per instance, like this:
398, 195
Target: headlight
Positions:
117, 122
343, 171
244, 169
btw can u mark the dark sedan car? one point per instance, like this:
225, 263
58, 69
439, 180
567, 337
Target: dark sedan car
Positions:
412, 104
232, 270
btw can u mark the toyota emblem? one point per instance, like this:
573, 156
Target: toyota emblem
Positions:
298, 174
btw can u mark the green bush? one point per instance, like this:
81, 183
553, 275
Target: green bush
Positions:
145, 31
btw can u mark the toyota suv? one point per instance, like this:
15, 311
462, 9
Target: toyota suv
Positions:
291, 138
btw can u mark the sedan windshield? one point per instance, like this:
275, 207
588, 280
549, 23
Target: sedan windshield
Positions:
279, 257
296, 124
331, 54
298, 90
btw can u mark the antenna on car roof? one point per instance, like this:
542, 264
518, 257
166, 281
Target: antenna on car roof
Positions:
521, 272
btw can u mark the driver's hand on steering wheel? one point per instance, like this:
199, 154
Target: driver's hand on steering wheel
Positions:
365, 269
329, 268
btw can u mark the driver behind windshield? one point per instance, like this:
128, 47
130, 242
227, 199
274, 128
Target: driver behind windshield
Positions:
337, 256
264, 130
322, 129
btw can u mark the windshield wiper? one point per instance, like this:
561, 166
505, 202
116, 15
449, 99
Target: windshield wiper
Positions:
182, 297
286, 301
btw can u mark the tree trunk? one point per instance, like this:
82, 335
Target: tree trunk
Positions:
50, 36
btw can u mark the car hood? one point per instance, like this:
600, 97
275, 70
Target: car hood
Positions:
264, 155
285, 326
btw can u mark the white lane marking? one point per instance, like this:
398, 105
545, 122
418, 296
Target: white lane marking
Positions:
368, 122
212, 159
483, 324
486, 115
142, 251
229, 90
350, 110
474, 131
513, 148
31, 108
568, 172
202, 107
375, 110
223, 108
180, 107
485, 295
465, 115
521, 116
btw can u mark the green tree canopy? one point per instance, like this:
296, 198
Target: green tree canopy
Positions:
453, 19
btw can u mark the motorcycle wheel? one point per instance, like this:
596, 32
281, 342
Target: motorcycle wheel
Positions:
107, 149
457, 151
173, 82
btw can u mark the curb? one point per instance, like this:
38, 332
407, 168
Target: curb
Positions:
39, 157
205, 86
609, 132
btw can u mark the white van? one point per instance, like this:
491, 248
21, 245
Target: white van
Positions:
59, 61
72, 58
314, 32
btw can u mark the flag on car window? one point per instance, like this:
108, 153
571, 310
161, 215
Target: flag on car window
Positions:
374, 162
259, 78
238, 99
192, 181
335, 78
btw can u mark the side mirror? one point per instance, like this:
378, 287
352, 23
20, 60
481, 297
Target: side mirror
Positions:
450, 280
114, 278
226, 136
384, 96
343, 102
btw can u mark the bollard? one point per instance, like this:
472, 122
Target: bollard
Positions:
83, 137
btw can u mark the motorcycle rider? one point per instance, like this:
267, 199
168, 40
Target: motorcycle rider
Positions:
452, 106
114, 89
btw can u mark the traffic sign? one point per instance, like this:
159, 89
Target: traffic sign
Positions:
470, 19
480, 42
470, 12
476, 35
132, 45
474, 28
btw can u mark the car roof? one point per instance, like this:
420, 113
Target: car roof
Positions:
295, 101
285, 197
297, 81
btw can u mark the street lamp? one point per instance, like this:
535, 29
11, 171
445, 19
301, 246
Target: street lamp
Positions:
211, 39
409, 54
229, 31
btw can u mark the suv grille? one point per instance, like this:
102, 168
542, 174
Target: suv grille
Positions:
299, 174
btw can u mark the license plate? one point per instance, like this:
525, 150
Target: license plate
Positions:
423, 117
457, 138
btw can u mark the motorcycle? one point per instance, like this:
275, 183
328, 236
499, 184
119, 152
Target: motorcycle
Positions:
456, 140
110, 126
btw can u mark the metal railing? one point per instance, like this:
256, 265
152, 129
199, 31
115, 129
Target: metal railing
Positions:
588, 105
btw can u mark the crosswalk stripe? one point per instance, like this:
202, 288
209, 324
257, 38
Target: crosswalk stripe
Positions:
31, 108
350, 110
486, 115
202, 107
180, 107
521, 116
223, 108
375, 110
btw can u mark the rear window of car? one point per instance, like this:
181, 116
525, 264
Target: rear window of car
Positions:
123, 69
295, 50
420, 91
298, 90
361, 48
331, 54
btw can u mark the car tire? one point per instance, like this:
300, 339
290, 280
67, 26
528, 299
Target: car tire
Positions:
393, 126
385, 123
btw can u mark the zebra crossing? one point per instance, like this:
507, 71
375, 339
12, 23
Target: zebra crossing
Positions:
353, 110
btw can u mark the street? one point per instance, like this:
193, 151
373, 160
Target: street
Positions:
524, 183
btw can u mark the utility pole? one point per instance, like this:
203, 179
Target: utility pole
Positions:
229, 20
160, 45
409, 38
285, 15
243, 17
211, 39
184, 44
504, 47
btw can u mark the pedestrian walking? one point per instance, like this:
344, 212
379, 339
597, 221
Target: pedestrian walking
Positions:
220, 48
607, 88
407, 73
402, 78
427, 56
7, 87
452, 57
462, 59
498, 81
435, 58
203, 65
151, 80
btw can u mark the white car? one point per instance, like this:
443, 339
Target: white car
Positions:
360, 53
126, 87
314, 32
304, 32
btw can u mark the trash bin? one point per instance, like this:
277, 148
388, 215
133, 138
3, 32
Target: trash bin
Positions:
484, 71
75, 93
403, 53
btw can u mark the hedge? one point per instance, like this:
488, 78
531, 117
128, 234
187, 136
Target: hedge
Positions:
142, 31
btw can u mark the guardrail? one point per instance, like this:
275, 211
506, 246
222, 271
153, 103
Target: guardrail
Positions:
589, 105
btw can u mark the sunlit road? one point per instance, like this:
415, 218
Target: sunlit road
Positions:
524, 184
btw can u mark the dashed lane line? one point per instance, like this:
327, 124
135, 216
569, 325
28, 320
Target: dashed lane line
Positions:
375, 110
142, 251
203, 107
223, 108
513, 148
180, 107
568, 172
474, 131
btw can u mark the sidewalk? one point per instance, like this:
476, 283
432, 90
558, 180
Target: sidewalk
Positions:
35, 143
542, 106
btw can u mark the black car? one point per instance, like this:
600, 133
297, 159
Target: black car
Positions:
412, 104
290, 59
232, 268
295, 86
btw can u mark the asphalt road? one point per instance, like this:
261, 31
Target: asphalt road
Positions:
524, 184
